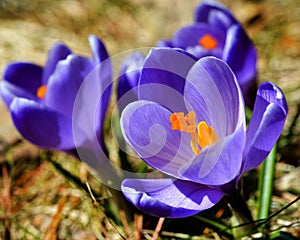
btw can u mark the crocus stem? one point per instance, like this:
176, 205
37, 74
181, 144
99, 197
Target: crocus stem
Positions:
242, 219
266, 181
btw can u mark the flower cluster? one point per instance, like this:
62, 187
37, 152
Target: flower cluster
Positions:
184, 113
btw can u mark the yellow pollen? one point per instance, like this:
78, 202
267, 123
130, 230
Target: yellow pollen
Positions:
202, 134
207, 41
41, 92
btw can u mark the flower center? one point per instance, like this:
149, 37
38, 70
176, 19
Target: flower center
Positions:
208, 41
41, 92
202, 134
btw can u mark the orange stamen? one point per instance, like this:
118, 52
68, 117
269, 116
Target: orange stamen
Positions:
183, 123
208, 41
207, 135
202, 134
41, 92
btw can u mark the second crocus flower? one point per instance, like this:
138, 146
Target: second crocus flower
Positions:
41, 99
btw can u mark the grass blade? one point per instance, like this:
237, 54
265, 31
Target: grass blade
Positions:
265, 185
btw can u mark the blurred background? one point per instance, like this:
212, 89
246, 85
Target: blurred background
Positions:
40, 201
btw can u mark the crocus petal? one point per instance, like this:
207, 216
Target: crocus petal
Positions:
103, 72
161, 78
213, 93
9, 91
64, 83
170, 198
59, 51
41, 126
98, 49
240, 54
217, 164
130, 73
91, 103
128, 80
266, 124
24, 75
190, 35
220, 20
204, 11
147, 129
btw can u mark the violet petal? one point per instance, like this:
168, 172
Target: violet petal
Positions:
9, 91
24, 75
205, 9
219, 163
190, 35
42, 126
266, 124
213, 93
170, 198
146, 128
240, 54
128, 79
59, 51
98, 49
163, 77
65, 82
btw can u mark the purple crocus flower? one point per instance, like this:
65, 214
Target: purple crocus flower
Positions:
216, 32
41, 99
199, 142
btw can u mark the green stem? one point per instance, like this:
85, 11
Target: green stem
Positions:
242, 221
265, 185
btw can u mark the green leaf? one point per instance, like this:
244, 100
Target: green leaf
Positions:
265, 185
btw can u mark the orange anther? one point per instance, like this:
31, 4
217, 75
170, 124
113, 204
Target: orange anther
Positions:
208, 41
185, 123
202, 135
207, 135
41, 92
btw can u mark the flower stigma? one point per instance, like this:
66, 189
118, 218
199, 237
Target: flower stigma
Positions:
41, 92
208, 41
202, 134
